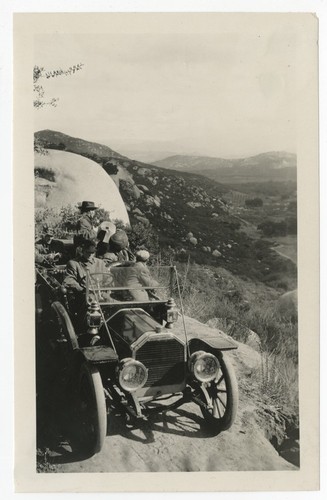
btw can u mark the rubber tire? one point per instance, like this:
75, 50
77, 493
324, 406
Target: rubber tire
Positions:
65, 323
224, 421
90, 410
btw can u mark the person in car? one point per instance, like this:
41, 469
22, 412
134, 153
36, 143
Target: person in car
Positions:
105, 231
116, 249
119, 245
77, 268
137, 276
85, 229
44, 251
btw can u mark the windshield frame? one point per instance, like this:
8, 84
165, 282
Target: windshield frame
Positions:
94, 292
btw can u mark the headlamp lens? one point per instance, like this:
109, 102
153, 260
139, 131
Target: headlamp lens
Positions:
132, 375
204, 366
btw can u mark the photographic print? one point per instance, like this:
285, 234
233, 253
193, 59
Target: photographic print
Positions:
164, 212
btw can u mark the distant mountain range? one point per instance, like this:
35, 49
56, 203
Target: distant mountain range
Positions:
146, 156
274, 166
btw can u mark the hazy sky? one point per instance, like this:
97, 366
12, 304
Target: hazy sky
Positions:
224, 94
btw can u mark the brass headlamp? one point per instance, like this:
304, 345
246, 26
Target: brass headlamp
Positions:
93, 318
171, 313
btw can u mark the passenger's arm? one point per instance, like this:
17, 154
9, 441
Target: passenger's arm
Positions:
86, 230
39, 258
71, 280
146, 279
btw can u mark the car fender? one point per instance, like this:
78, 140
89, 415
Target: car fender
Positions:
201, 337
97, 355
211, 344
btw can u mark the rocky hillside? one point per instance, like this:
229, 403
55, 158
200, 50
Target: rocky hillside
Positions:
274, 166
185, 210
57, 140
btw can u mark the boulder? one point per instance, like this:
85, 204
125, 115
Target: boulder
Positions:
287, 306
137, 211
193, 204
136, 192
151, 201
143, 171
75, 178
143, 188
144, 220
167, 217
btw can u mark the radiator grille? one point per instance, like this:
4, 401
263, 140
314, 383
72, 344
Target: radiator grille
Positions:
164, 360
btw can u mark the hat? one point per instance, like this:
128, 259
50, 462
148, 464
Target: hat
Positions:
87, 205
142, 255
110, 257
119, 239
105, 230
48, 230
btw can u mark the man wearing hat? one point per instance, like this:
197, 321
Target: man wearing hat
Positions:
77, 268
85, 229
44, 252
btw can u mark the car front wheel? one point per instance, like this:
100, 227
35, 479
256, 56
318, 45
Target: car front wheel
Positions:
223, 398
90, 410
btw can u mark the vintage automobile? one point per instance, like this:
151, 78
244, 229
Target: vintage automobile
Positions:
114, 351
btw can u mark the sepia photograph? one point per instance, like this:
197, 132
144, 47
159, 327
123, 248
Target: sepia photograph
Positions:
164, 222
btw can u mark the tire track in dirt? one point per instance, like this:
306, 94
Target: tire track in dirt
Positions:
177, 441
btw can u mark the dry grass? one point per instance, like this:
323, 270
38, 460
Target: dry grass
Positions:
275, 383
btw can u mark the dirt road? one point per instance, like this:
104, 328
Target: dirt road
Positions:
175, 441
172, 441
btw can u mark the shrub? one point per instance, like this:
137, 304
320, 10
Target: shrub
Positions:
254, 202
281, 228
64, 220
45, 173
143, 236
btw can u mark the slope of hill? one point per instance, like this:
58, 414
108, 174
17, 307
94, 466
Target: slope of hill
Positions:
52, 139
185, 210
277, 166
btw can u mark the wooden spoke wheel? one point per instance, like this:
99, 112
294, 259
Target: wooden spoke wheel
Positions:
223, 396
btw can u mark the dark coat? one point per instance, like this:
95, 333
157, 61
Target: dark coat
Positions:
77, 270
42, 250
85, 230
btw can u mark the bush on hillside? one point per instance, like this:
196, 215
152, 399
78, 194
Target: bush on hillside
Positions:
254, 202
284, 227
143, 236
64, 220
